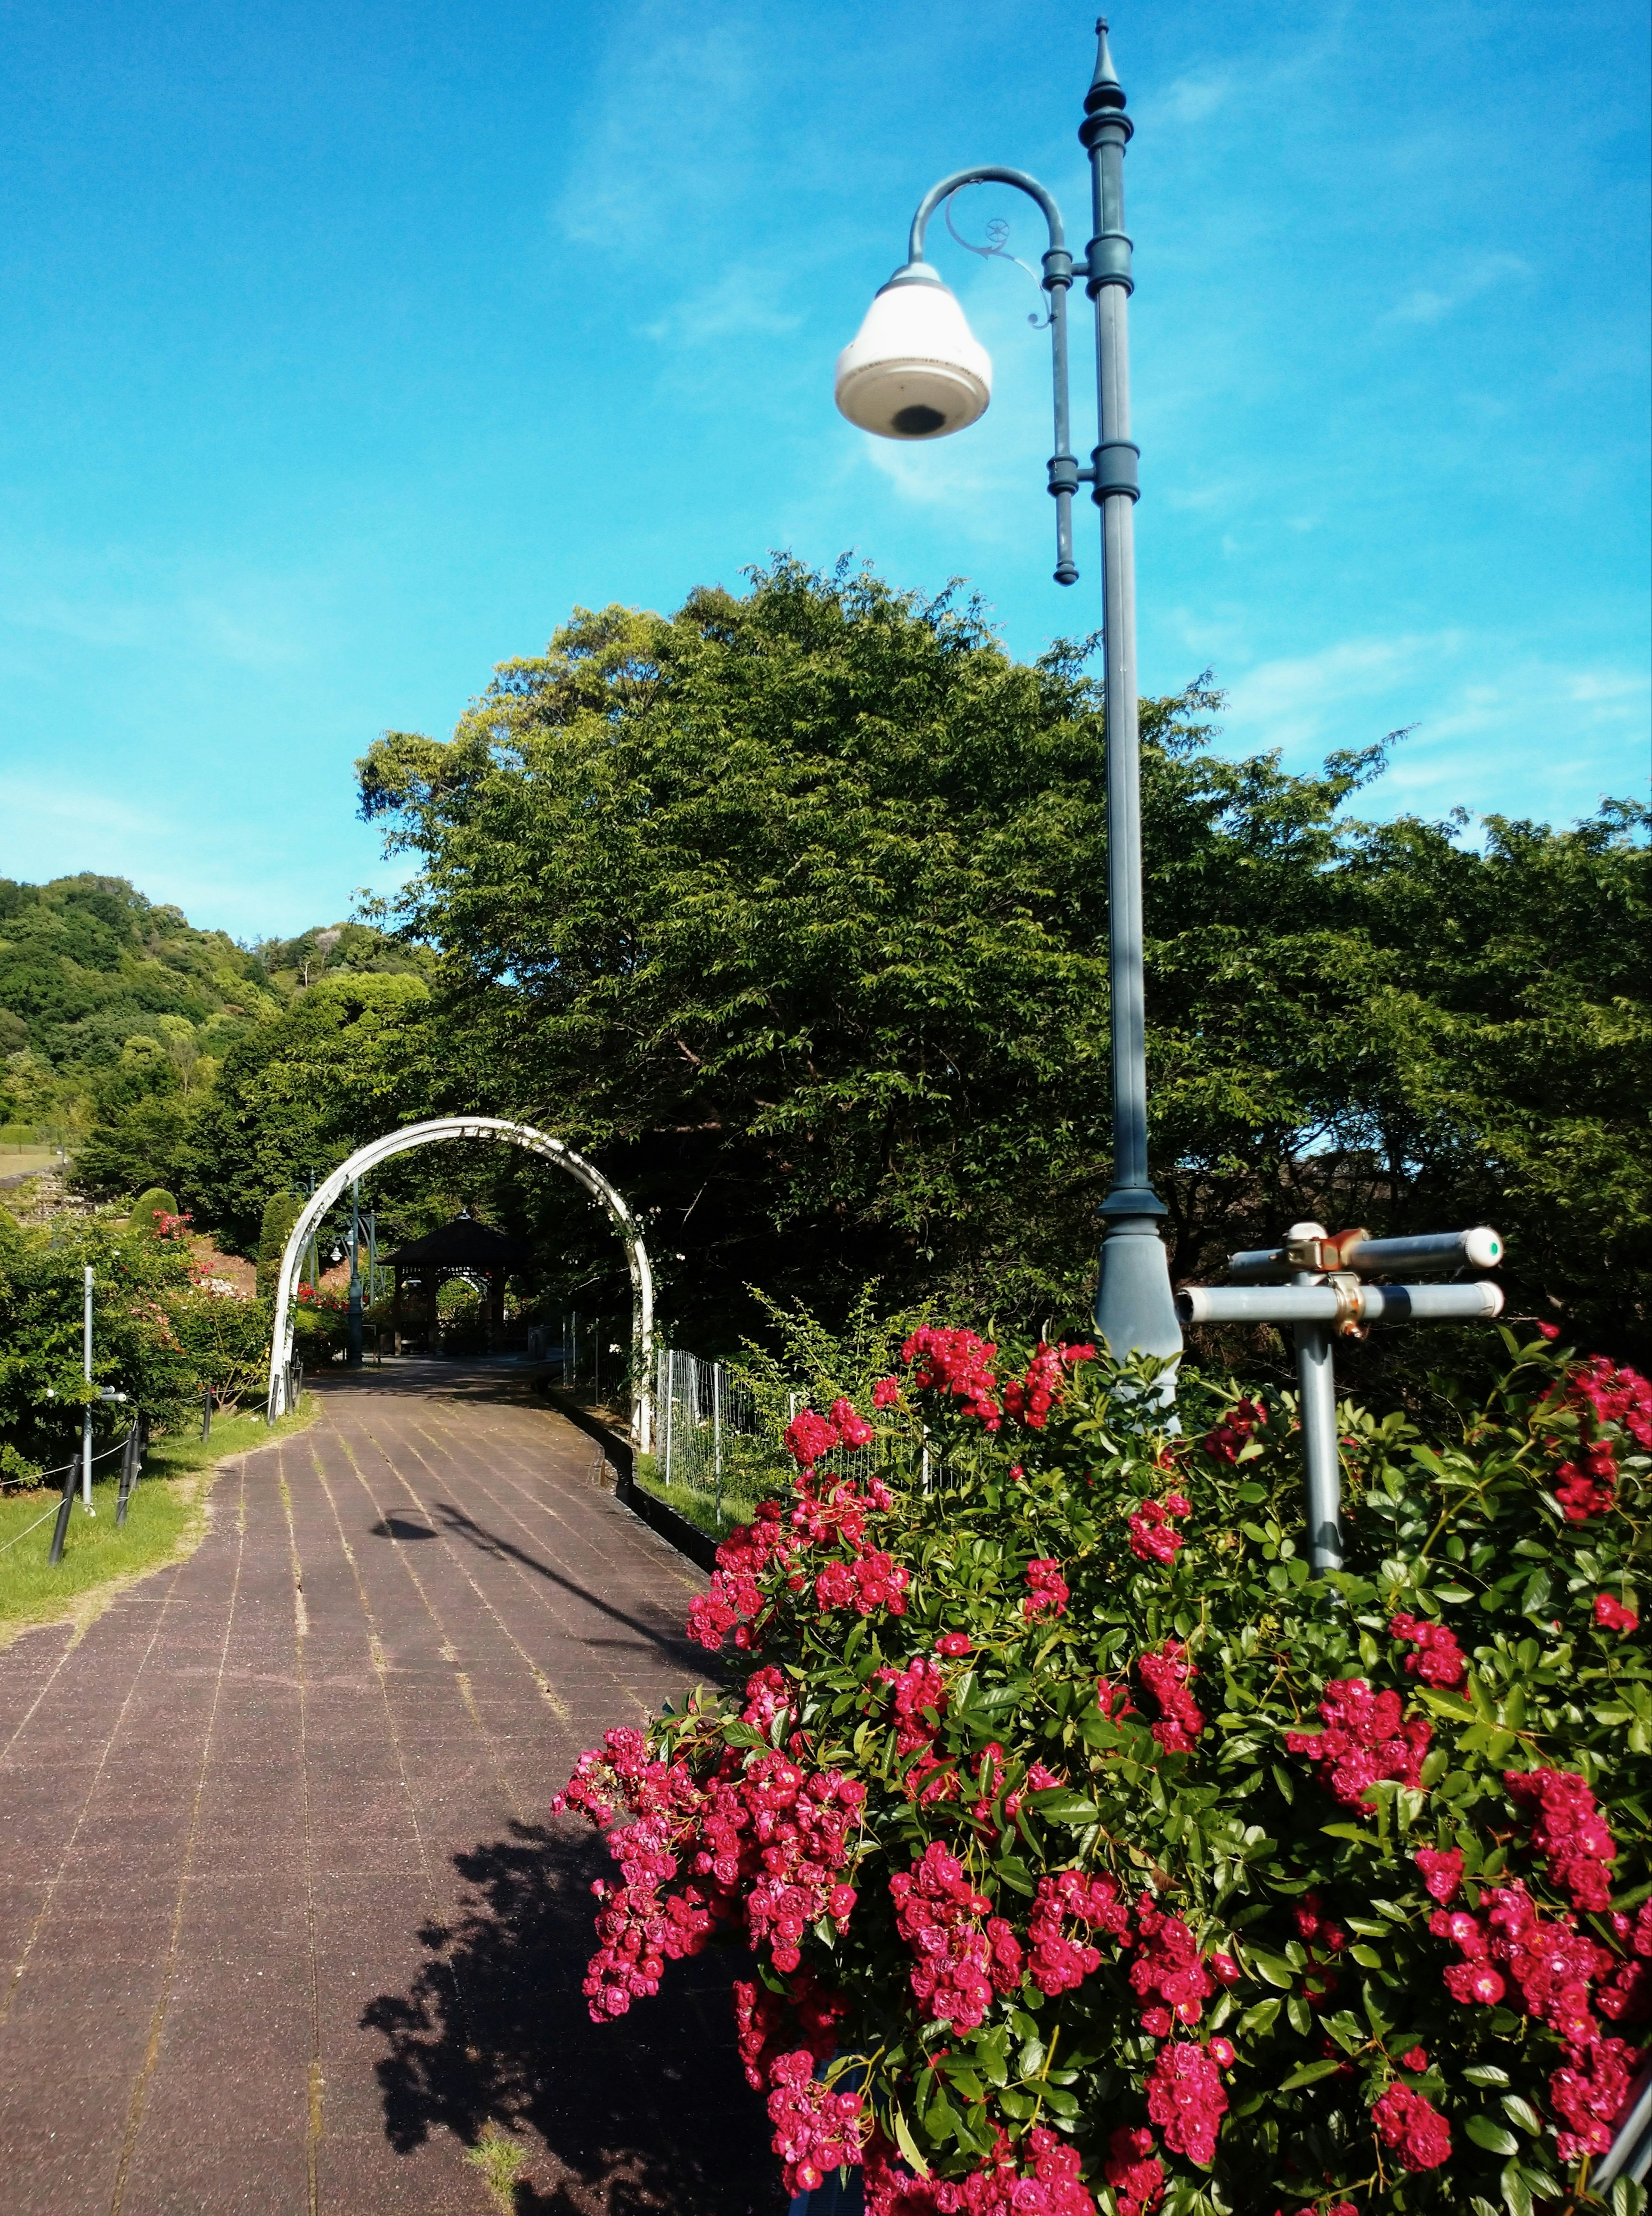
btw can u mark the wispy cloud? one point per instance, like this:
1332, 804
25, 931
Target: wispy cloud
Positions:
1431, 304
1487, 722
742, 302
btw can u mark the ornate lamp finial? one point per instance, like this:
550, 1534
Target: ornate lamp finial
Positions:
1105, 91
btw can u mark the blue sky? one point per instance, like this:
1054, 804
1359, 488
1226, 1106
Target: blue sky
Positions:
346, 348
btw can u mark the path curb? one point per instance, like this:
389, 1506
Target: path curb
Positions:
687, 1538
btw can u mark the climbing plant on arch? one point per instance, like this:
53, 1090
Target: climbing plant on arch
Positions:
516, 1134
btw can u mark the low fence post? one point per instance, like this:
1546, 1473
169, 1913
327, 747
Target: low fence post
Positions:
670, 1405
61, 1528
206, 1411
717, 1435
128, 1473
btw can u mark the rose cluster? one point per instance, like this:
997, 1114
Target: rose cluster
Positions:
1231, 1434
1367, 1738
1167, 1974
1568, 1829
816, 2130
1439, 1659
1057, 1963
957, 1364
1047, 1593
1165, 1672
1031, 1397
1187, 2099
1153, 1535
961, 1959
1556, 1969
1601, 1393
1005, 2186
1413, 2127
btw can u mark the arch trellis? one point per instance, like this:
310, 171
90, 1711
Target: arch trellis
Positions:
516, 1134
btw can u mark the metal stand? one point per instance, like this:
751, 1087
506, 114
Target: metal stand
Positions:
1326, 1297
130, 1466
86, 1421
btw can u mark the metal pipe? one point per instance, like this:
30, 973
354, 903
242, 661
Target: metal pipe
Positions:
1317, 1405
1363, 1304
1478, 1248
716, 1435
86, 1421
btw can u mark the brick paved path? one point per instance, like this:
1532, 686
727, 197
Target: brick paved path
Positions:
282, 1922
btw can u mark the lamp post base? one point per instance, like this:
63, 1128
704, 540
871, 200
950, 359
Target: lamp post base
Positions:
1134, 1308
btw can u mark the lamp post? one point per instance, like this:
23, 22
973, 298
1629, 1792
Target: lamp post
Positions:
914, 370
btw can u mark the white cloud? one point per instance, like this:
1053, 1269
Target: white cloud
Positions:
1488, 721
1431, 304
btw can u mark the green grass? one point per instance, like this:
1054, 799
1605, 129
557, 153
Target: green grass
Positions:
501, 2161
697, 1505
164, 1519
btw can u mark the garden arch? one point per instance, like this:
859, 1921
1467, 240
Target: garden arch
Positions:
516, 1134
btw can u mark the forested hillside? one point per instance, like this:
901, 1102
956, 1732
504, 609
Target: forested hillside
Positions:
117, 1018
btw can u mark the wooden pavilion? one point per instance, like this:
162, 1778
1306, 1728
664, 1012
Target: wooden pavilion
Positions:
463, 1248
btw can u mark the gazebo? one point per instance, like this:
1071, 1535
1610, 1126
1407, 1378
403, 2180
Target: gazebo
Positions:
463, 1248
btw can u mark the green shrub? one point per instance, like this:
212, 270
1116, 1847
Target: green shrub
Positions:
150, 1206
1123, 1863
281, 1212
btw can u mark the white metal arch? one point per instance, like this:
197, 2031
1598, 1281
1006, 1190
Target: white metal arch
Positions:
516, 1134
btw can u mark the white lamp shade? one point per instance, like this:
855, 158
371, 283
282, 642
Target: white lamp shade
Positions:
915, 369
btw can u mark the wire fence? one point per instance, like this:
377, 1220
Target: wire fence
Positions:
712, 1435
75, 1472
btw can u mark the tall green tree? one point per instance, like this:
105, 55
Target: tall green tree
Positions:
791, 906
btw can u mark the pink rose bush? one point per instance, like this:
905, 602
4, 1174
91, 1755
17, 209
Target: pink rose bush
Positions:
1086, 1856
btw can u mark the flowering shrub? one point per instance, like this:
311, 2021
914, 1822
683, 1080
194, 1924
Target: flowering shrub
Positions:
1095, 1856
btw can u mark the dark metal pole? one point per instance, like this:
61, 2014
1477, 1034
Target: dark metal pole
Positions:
128, 1472
61, 1528
205, 1413
1135, 1310
354, 1356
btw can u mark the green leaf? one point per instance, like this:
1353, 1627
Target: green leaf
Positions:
1492, 2137
1273, 1967
1061, 1805
1517, 2194
1485, 2073
909, 2145
1523, 2114
1310, 2071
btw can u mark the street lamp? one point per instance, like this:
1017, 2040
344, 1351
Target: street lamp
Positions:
915, 370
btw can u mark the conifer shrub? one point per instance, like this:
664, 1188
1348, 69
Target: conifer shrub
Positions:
281, 1212
1092, 1855
149, 1210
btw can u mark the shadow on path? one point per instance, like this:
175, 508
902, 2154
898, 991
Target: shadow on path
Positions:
649, 2114
459, 1525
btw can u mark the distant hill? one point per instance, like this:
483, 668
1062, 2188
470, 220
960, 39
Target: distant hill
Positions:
99, 985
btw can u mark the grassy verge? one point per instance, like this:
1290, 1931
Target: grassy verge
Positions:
698, 1505
164, 1520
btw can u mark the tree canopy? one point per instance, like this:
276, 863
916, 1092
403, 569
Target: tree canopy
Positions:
791, 906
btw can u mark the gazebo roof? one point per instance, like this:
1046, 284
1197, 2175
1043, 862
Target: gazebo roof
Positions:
463, 1244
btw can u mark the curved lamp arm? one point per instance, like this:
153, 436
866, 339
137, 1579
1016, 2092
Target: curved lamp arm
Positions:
1065, 475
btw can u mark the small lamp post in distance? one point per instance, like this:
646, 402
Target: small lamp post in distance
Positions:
916, 371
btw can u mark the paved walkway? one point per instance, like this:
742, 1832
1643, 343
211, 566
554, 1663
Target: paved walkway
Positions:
283, 1922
